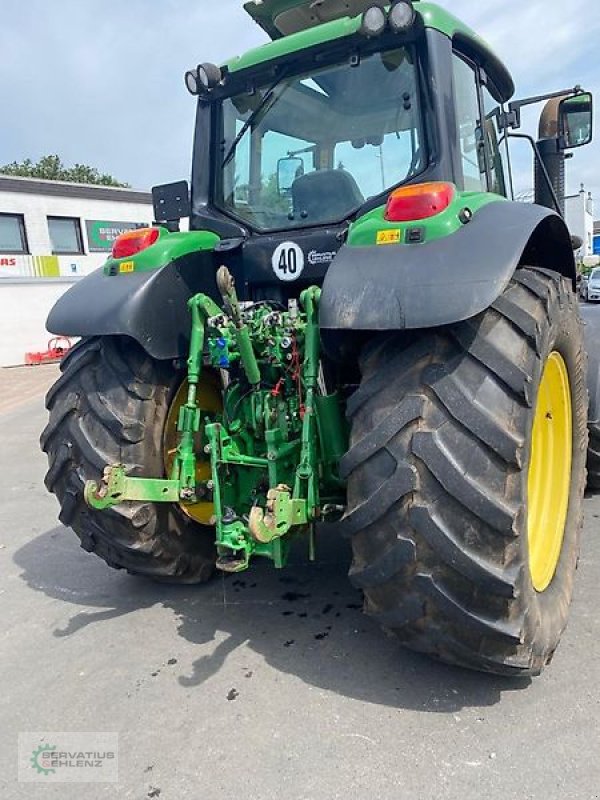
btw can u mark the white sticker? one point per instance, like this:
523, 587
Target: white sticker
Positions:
288, 261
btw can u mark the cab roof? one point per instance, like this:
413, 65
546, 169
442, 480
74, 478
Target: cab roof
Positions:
295, 25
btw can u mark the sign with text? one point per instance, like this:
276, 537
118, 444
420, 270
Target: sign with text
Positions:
68, 757
101, 234
29, 267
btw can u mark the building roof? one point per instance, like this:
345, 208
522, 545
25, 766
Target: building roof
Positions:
10, 183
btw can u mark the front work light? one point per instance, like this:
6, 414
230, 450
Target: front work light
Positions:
131, 242
420, 201
402, 16
373, 21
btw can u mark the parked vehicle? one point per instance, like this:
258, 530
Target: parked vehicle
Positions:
593, 287
359, 331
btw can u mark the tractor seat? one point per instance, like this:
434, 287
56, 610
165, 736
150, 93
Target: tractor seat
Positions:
326, 195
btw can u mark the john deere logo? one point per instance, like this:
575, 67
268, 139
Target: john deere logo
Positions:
41, 759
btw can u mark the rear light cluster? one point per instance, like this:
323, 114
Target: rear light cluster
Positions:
421, 201
131, 242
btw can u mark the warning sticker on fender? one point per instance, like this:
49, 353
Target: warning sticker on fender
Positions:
389, 237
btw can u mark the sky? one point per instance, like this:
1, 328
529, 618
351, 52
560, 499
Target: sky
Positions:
101, 82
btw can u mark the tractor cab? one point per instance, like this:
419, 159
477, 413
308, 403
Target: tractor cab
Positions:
302, 142
300, 138
300, 158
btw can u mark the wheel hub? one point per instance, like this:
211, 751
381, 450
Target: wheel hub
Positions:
549, 472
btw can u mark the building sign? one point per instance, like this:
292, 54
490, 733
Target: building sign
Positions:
597, 245
102, 234
48, 266
30, 267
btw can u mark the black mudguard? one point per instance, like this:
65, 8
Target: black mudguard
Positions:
404, 287
591, 319
150, 306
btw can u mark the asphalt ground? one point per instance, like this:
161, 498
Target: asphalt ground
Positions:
266, 685
21, 384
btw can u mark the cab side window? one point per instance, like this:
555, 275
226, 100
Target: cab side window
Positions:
470, 130
492, 140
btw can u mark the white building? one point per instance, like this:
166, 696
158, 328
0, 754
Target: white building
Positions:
579, 212
51, 235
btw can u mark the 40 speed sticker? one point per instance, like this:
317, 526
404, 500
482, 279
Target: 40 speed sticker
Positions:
288, 261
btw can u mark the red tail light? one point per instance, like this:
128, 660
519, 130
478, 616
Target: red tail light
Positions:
132, 242
420, 201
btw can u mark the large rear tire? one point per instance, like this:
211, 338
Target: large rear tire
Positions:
593, 458
110, 406
448, 549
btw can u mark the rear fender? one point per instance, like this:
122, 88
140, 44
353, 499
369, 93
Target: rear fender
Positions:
410, 286
150, 306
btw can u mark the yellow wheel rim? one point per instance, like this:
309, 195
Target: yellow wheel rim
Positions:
549, 472
209, 401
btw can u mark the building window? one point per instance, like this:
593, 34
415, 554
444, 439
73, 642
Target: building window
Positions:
12, 234
65, 235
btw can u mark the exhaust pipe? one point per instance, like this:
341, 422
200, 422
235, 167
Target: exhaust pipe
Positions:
553, 158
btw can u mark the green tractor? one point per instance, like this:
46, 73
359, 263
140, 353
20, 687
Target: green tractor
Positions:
360, 335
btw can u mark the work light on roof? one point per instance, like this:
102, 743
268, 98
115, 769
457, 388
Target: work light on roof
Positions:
402, 16
209, 75
203, 79
191, 82
373, 21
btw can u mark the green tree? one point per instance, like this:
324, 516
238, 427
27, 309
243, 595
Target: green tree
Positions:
51, 168
271, 198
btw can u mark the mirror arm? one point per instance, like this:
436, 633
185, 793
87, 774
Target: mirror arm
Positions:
540, 161
512, 117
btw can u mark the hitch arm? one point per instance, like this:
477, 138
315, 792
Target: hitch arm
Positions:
116, 487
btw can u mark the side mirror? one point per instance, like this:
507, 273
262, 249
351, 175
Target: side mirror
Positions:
288, 169
576, 120
171, 202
